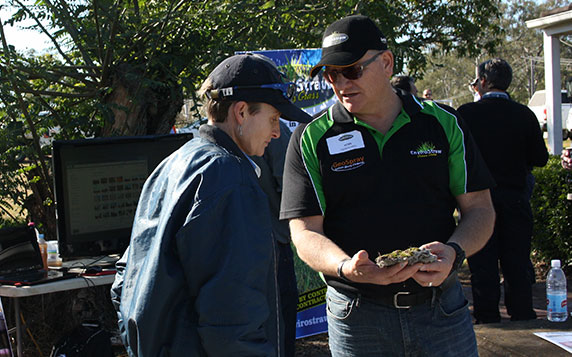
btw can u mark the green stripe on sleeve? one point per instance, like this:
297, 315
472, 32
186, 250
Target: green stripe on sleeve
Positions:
456, 138
308, 147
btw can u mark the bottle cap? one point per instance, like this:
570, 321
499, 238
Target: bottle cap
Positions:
555, 263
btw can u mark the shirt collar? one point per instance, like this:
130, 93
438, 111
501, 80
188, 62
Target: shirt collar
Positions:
411, 104
502, 95
256, 167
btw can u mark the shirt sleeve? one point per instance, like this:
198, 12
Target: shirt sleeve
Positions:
468, 171
116, 290
300, 190
536, 152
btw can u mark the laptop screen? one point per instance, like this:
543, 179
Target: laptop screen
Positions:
19, 251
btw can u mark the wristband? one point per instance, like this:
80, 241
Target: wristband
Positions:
340, 271
459, 257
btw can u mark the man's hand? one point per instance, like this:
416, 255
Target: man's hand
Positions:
361, 269
433, 274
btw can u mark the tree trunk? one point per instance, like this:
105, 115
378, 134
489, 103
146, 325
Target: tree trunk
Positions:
41, 207
139, 106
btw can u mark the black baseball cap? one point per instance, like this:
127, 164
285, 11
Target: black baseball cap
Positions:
255, 78
347, 40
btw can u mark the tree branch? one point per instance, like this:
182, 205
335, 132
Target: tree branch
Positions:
44, 30
70, 28
109, 50
24, 109
98, 32
91, 94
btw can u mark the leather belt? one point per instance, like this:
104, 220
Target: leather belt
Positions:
404, 299
407, 299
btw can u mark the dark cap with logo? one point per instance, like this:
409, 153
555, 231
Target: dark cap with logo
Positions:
347, 40
255, 78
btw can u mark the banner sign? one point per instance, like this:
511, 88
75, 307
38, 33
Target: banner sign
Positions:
311, 318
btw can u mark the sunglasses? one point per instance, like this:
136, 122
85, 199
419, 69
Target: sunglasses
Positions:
288, 90
352, 73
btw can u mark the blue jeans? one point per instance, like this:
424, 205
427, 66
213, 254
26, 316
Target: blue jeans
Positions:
439, 327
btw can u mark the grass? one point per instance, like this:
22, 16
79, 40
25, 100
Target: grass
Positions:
307, 279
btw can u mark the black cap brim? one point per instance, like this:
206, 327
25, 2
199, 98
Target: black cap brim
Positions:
275, 98
341, 59
291, 112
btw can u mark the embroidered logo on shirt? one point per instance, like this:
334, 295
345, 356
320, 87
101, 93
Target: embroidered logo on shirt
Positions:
349, 164
426, 149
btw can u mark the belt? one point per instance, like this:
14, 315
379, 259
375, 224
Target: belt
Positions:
407, 299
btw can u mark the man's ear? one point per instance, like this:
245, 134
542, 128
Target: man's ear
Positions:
387, 61
239, 111
486, 85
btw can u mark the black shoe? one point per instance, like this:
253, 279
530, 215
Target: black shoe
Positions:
531, 316
489, 321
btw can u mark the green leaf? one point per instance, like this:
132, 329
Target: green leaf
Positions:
267, 5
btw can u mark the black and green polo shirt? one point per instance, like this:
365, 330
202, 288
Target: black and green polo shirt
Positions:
382, 192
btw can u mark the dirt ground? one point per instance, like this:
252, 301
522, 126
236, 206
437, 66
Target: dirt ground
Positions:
314, 346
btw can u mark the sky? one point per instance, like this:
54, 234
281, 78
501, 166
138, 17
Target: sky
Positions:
23, 39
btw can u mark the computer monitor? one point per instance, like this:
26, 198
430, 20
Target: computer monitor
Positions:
97, 186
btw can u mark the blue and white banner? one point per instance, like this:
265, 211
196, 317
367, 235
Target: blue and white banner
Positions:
311, 318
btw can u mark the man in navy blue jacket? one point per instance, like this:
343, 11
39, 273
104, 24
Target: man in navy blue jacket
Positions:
199, 276
509, 138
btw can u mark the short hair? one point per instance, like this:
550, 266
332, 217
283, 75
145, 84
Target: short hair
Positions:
402, 82
497, 72
217, 110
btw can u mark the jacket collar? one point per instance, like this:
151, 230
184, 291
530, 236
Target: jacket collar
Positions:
219, 137
411, 104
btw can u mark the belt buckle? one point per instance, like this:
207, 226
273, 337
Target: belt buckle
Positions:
396, 297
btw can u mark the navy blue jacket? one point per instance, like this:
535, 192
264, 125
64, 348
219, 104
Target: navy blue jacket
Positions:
199, 276
509, 138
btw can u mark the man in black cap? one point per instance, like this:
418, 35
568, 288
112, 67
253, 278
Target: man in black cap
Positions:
199, 276
510, 140
383, 171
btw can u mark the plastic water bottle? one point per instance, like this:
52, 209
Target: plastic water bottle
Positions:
556, 295
43, 250
53, 254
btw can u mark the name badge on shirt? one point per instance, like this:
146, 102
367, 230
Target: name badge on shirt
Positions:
345, 142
